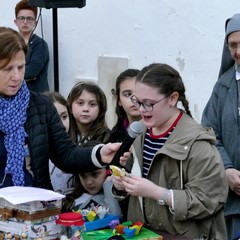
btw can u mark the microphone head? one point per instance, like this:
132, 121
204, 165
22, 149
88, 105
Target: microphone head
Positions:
135, 129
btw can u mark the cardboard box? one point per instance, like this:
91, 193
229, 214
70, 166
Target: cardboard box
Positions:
40, 230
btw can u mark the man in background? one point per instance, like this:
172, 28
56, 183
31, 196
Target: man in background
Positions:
37, 58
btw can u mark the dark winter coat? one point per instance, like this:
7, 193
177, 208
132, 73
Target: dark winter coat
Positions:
47, 139
221, 113
37, 60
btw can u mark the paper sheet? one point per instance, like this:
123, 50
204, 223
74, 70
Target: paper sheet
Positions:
18, 195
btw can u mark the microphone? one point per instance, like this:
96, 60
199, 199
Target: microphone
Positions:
135, 129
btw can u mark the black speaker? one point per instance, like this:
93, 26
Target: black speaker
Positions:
58, 3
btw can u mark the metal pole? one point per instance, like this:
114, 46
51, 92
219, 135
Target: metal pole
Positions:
55, 49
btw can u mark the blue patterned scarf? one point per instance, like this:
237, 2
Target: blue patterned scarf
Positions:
13, 115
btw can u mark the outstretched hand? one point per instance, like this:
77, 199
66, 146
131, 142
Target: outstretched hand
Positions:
109, 150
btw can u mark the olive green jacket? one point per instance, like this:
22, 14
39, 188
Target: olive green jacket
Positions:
191, 166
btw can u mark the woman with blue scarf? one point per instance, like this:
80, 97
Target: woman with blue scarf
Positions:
31, 131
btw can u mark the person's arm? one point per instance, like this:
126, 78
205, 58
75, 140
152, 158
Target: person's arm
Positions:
37, 57
109, 199
206, 189
220, 116
71, 158
211, 118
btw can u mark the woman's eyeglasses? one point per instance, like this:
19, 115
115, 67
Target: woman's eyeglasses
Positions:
146, 105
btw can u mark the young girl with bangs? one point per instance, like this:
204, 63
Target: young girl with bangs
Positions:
88, 105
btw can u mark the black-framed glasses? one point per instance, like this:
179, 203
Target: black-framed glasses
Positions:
28, 19
146, 105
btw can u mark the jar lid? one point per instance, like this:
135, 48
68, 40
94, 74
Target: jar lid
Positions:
70, 219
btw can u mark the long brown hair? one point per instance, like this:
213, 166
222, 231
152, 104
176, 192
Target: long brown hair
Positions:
121, 114
98, 130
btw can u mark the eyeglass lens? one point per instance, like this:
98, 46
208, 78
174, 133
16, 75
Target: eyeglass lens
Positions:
22, 19
147, 106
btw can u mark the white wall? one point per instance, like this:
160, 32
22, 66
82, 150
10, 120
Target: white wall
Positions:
185, 34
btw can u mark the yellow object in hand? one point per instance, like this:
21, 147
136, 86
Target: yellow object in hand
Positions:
117, 171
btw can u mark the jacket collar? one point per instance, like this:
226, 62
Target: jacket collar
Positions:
183, 137
179, 143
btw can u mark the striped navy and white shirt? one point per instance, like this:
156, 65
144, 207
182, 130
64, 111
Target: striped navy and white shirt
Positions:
153, 143
151, 146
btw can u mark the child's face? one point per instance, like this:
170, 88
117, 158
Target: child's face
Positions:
85, 108
25, 26
63, 114
93, 181
125, 92
162, 111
